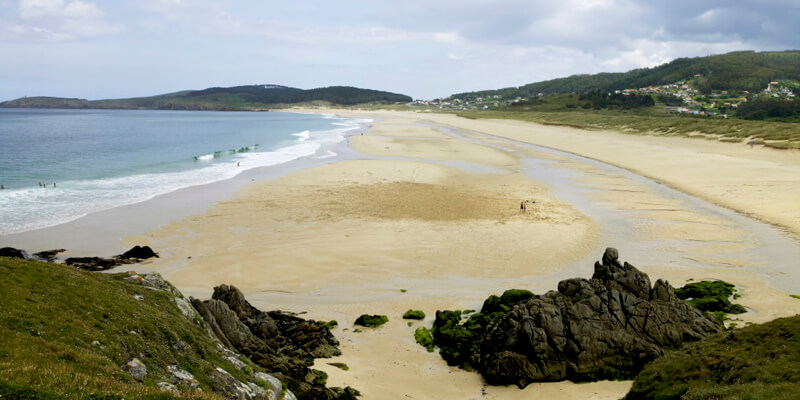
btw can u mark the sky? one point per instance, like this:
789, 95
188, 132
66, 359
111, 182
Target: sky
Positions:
98, 49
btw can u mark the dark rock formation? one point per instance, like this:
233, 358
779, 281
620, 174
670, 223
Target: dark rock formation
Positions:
132, 256
48, 255
138, 253
371, 321
283, 344
607, 327
12, 252
91, 263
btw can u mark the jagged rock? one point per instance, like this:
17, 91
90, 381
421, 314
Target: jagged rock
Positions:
12, 252
283, 344
136, 369
607, 327
138, 253
93, 264
259, 322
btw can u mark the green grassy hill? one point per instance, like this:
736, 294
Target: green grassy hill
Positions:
66, 334
755, 362
742, 70
238, 98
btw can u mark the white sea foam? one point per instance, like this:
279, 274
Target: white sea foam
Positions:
37, 208
304, 135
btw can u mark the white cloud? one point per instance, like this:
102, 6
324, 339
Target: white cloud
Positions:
40, 8
58, 20
78, 9
421, 47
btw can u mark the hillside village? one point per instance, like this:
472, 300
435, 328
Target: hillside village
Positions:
679, 97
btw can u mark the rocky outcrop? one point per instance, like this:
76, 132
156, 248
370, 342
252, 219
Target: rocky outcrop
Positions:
283, 344
138, 253
96, 264
12, 252
223, 382
48, 255
607, 327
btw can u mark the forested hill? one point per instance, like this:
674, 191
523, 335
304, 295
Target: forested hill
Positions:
251, 97
742, 70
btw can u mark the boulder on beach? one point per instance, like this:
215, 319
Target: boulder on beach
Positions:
139, 253
94, 264
607, 327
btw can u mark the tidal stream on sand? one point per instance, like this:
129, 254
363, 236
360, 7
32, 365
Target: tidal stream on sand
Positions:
655, 227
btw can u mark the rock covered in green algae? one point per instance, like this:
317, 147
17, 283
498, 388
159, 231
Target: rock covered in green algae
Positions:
371, 321
414, 314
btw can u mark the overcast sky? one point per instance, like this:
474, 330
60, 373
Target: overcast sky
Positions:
433, 48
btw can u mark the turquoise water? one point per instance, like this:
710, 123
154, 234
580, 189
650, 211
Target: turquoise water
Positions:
100, 159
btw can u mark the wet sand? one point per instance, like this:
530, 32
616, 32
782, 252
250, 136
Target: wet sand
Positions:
425, 215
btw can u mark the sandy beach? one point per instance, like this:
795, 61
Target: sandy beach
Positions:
427, 217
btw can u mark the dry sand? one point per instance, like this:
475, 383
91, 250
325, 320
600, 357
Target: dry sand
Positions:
416, 232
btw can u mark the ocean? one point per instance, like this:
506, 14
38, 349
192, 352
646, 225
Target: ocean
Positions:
59, 165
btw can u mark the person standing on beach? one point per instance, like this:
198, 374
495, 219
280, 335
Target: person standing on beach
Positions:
522, 206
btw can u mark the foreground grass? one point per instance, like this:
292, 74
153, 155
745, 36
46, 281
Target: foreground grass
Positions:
755, 362
779, 135
66, 334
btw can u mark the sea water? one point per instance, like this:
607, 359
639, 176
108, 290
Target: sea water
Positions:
58, 165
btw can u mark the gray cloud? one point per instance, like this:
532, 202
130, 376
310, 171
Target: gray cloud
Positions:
427, 48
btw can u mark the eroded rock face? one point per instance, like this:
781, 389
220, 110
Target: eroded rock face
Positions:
283, 344
607, 327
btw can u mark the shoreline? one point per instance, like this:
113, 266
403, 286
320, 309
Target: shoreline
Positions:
102, 233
